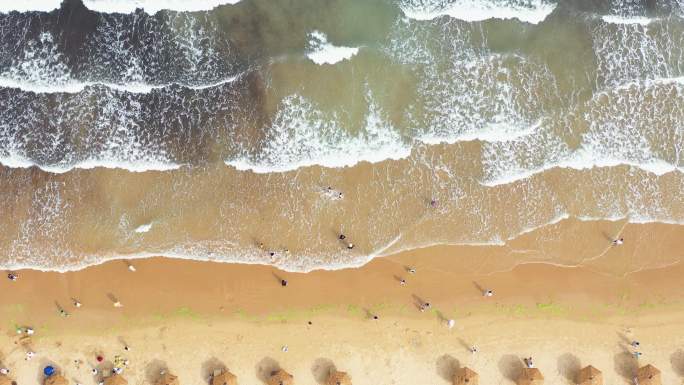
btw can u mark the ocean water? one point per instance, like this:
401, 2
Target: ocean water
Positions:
201, 129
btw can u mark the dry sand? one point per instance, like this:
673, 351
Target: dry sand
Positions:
195, 316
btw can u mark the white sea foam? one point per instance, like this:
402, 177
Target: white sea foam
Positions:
323, 52
302, 135
18, 161
7, 6
617, 19
531, 11
144, 228
74, 86
117, 6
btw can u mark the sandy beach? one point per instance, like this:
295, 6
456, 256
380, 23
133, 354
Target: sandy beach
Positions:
192, 317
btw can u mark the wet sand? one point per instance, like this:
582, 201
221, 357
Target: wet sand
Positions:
192, 316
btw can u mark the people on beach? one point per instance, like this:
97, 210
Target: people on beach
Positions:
350, 246
342, 237
637, 355
473, 349
4, 371
488, 293
635, 344
93, 371
529, 363
411, 270
451, 323
127, 348
618, 242
29, 355
117, 303
131, 267
433, 203
284, 348
77, 303
402, 282
12, 277
29, 331
375, 318
283, 282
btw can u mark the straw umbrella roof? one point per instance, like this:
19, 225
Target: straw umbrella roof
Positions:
56, 379
4, 380
530, 376
168, 379
339, 378
648, 375
115, 379
466, 376
280, 377
225, 378
589, 376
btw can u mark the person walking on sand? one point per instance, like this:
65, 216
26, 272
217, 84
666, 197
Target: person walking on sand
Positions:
618, 242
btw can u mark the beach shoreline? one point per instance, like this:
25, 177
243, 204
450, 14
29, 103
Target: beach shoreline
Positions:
174, 312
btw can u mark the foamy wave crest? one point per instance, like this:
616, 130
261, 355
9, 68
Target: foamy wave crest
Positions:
529, 11
322, 52
74, 86
616, 19
117, 6
26, 6
303, 135
142, 165
619, 132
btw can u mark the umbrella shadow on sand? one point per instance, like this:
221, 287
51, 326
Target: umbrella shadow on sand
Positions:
568, 366
626, 365
321, 369
677, 362
510, 366
154, 369
265, 367
447, 366
210, 367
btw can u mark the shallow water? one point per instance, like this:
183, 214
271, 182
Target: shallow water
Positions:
202, 134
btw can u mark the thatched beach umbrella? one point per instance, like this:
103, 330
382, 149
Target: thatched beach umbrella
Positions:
280, 377
466, 376
338, 378
225, 378
56, 379
115, 379
648, 375
589, 376
168, 379
4, 380
530, 376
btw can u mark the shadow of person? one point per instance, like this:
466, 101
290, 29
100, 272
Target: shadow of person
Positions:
210, 367
677, 362
447, 367
154, 369
265, 367
568, 366
479, 288
321, 369
510, 366
626, 365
